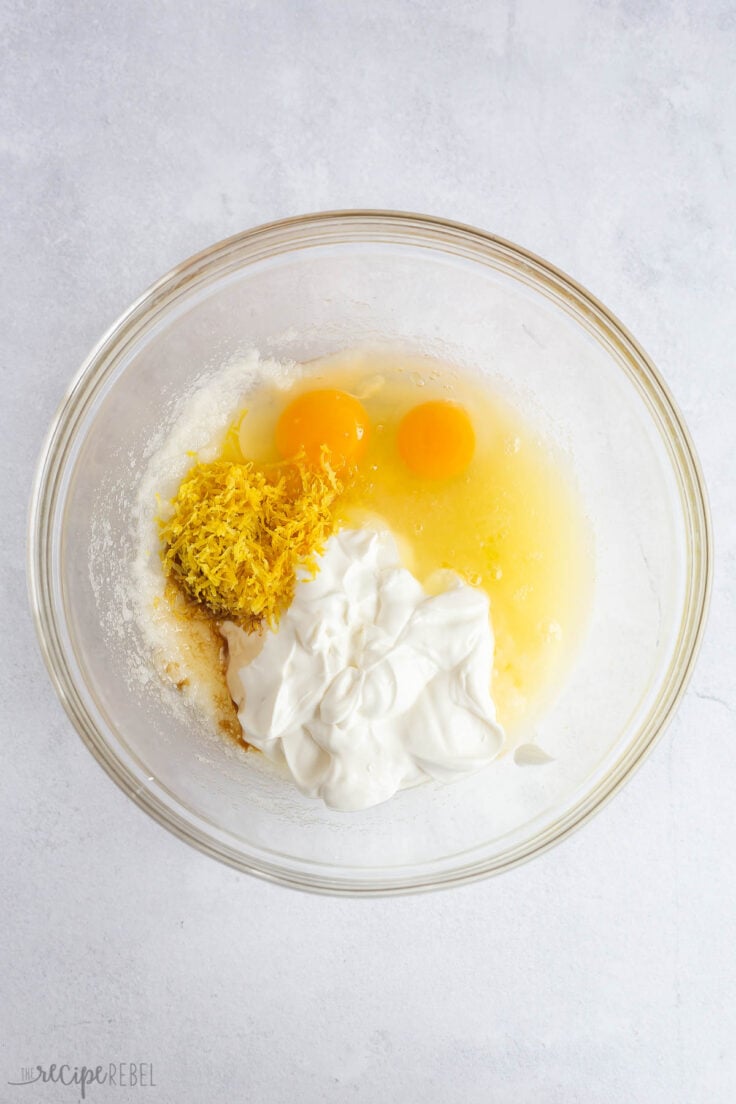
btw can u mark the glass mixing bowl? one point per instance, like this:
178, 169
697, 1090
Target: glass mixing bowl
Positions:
304, 288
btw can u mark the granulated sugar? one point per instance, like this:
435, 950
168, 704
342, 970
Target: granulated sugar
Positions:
184, 651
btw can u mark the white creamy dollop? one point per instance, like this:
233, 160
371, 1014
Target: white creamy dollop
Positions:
370, 684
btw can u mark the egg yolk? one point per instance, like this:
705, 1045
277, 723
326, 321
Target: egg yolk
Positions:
323, 419
436, 440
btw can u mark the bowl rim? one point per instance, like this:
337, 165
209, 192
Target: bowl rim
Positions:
323, 227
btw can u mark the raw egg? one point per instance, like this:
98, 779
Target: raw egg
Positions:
436, 439
327, 419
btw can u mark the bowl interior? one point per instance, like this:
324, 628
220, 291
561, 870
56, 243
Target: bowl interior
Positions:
296, 293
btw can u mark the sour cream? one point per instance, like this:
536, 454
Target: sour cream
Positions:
370, 684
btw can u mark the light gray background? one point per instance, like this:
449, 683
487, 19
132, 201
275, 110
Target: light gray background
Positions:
602, 136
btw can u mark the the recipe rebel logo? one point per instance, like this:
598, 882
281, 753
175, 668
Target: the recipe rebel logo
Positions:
120, 1075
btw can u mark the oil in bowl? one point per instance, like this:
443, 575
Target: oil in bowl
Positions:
509, 521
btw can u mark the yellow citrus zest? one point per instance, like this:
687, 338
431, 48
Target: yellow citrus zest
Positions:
237, 533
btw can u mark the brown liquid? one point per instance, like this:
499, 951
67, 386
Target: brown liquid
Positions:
204, 658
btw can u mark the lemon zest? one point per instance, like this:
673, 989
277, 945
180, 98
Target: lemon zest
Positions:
238, 532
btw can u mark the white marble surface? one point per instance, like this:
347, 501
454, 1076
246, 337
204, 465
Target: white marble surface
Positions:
601, 135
